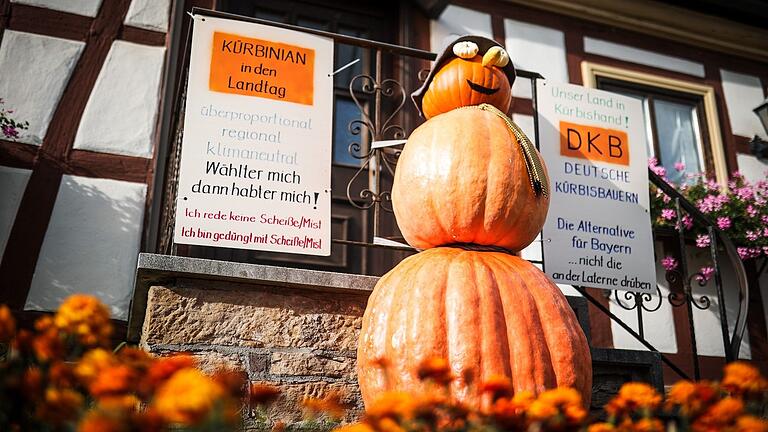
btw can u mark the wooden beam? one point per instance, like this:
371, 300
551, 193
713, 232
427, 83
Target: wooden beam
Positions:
48, 22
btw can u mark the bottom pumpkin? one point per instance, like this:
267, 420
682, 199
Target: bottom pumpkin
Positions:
487, 313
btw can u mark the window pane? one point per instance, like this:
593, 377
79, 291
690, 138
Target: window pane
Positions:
679, 139
345, 112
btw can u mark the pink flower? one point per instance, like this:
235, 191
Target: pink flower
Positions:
669, 263
752, 211
745, 192
702, 240
687, 222
743, 252
668, 214
723, 222
705, 274
764, 218
10, 131
659, 171
751, 235
680, 166
652, 162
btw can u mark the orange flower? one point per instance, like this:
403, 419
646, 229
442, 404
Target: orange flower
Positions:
32, 383
119, 402
99, 421
59, 405
148, 420
135, 358
510, 413
356, 427
86, 318
497, 386
601, 427
47, 346
719, 416
436, 369
262, 394
7, 324
557, 407
391, 404
648, 425
188, 397
748, 423
163, 368
331, 405
632, 397
112, 381
741, 378
233, 381
93, 363
691, 398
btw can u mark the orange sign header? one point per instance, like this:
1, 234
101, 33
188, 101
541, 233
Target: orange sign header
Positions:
261, 68
594, 143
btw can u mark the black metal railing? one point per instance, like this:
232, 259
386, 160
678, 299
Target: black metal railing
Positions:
376, 160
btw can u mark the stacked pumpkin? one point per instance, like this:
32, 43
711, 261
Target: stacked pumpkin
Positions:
471, 191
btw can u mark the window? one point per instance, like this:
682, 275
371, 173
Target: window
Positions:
681, 117
673, 123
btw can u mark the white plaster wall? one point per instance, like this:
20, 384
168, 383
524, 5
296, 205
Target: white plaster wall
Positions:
709, 339
658, 326
752, 169
149, 14
743, 93
643, 57
34, 71
80, 7
91, 245
538, 49
121, 112
13, 181
458, 21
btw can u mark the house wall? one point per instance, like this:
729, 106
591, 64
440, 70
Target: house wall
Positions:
87, 76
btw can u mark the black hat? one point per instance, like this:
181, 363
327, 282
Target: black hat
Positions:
483, 44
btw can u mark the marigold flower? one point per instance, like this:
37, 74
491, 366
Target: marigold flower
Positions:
330, 405
742, 378
47, 346
148, 420
262, 394
93, 363
188, 397
7, 324
32, 383
632, 397
510, 413
691, 398
355, 427
601, 427
497, 386
233, 381
648, 425
86, 318
391, 404
163, 368
119, 402
559, 405
719, 416
100, 421
135, 358
59, 405
749, 423
114, 380
436, 369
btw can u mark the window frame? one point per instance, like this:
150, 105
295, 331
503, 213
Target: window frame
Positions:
710, 128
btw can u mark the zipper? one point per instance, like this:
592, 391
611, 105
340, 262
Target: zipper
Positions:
533, 163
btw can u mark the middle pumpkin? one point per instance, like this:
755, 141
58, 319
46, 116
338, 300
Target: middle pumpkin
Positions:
464, 177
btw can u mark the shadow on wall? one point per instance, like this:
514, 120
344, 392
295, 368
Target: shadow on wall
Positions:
91, 244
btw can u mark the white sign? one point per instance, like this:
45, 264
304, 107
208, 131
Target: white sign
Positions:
598, 231
256, 155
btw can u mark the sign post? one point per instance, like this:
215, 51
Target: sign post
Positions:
598, 231
256, 153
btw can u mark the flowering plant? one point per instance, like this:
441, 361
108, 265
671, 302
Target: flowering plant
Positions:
9, 127
735, 404
741, 211
61, 376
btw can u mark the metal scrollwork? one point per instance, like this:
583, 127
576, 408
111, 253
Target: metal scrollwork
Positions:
701, 302
641, 300
378, 127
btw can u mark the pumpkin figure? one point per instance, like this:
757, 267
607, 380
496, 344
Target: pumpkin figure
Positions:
471, 71
487, 313
463, 177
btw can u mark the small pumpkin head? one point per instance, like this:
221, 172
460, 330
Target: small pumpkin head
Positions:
472, 70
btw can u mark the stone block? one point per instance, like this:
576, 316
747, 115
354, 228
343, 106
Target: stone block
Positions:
288, 408
256, 317
312, 364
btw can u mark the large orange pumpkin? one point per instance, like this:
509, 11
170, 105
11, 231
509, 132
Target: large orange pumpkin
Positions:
462, 178
487, 313
465, 82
